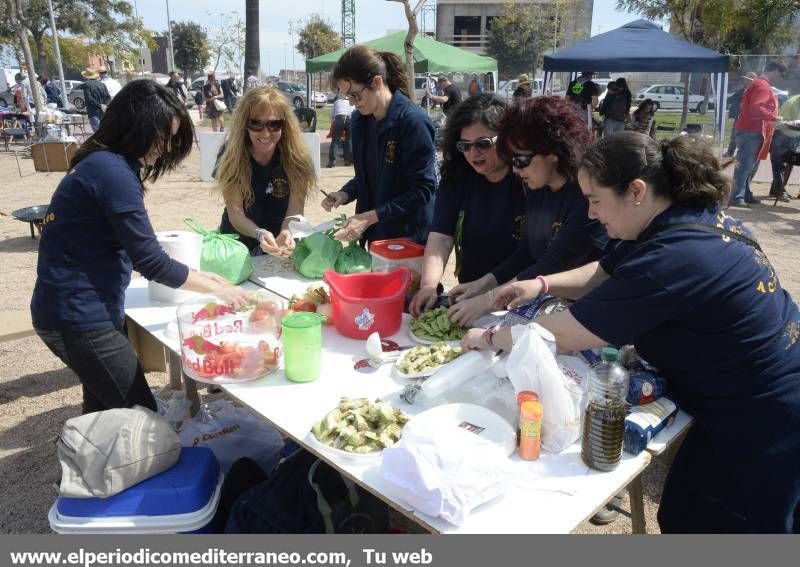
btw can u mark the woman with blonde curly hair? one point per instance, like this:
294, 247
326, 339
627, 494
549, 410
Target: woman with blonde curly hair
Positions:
265, 172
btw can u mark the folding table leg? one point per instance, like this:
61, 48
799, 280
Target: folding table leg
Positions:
636, 494
176, 376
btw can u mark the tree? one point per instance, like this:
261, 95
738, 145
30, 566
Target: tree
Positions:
190, 44
408, 45
226, 44
20, 22
110, 24
523, 33
317, 38
252, 53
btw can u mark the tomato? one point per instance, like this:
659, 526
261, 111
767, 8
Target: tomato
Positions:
304, 305
269, 307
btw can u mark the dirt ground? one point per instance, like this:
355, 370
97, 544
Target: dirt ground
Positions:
37, 394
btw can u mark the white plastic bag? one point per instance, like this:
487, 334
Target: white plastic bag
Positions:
232, 433
532, 365
219, 105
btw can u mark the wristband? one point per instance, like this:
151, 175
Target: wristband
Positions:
259, 233
488, 335
545, 285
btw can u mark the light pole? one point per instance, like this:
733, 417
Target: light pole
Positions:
141, 49
284, 63
64, 92
171, 58
291, 41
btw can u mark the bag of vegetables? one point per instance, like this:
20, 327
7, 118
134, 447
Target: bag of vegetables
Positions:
315, 254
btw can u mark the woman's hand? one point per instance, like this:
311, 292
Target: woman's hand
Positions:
517, 293
474, 340
467, 311
334, 200
354, 227
285, 242
424, 299
269, 244
471, 289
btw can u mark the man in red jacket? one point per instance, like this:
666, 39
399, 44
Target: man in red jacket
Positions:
754, 129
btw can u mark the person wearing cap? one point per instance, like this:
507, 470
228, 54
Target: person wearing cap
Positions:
734, 108
475, 86
523, 89
584, 93
450, 96
754, 129
112, 85
95, 96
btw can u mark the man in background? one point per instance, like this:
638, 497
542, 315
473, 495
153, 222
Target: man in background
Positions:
475, 86
450, 96
523, 89
584, 93
229, 92
340, 124
177, 87
785, 142
95, 96
112, 85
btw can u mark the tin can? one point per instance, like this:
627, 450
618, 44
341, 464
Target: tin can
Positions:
530, 426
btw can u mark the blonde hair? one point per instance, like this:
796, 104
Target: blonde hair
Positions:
234, 172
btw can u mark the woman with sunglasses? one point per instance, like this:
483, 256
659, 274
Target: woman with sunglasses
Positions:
544, 140
393, 152
97, 230
478, 191
265, 172
699, 299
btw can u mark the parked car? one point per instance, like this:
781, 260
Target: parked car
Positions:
295, 93
75, 97
319, 98
506, 90
670, 97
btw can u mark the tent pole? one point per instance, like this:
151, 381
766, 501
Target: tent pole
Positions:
724, 106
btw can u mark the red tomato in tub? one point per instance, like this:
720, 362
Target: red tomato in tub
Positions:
304, 305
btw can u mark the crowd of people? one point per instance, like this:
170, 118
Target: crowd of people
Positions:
530, 203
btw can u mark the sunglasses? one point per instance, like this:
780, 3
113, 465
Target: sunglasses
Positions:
355, 96
271, 125
522, 161
483, 143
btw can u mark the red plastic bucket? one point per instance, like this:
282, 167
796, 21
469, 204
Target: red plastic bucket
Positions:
369, 302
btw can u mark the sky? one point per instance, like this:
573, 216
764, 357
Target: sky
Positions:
373, 19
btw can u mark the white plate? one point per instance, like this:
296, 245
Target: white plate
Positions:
360, 458
426, 341
489, 426
429, 371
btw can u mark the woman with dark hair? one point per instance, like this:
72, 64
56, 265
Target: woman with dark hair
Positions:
96, 231
697, 297
393, 152
544, 140
479, 195
644, 118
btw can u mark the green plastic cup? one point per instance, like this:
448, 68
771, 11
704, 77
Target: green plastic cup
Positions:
302, 346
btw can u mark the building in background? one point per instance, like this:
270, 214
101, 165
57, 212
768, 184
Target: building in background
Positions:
466, 23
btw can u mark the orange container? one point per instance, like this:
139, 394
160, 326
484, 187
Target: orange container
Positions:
530, 428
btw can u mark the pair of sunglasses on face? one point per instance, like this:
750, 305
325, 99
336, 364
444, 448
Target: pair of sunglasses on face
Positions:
483, 143
271, 125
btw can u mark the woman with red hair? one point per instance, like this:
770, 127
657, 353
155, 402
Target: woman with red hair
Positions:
544, 140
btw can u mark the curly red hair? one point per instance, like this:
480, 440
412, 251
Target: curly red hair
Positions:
546, 125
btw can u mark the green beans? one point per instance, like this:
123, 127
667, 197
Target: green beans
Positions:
434, 325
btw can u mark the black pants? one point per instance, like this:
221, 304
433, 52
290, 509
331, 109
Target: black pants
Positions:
106, 365
341, 123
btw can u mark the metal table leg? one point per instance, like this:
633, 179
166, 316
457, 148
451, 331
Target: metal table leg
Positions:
636, 494
178, 380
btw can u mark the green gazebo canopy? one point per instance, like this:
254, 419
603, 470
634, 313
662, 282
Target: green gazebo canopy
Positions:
430, 56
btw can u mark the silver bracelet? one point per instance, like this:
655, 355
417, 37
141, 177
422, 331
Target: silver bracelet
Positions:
259, 233
490, 293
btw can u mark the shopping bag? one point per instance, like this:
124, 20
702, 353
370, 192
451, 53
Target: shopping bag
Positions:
223, 254
232, 433
532, 365
315, 254
219, 105
353, 259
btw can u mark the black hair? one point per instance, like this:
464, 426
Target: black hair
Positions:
642, 105
482, 108
18, 76
360, 64
139, 116
778, 66
683, 169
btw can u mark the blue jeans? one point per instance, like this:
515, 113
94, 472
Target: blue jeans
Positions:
747, 146
341, 123
779, 153
106, 365
611, 126
94, 122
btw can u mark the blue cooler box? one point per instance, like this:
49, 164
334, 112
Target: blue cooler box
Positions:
182, 499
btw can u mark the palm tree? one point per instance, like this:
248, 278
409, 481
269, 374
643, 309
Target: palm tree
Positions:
252, 53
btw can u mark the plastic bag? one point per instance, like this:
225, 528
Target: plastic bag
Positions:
532, 366
223, 254
233, 432
315, 254
353, 259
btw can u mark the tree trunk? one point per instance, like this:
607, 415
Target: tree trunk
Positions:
15, 8
409, 45
685, 113
41, 57
252, 54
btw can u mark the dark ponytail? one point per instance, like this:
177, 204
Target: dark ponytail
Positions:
682, 169
360, 64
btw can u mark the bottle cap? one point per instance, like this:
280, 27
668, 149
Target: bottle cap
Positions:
609, 354
527, 396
